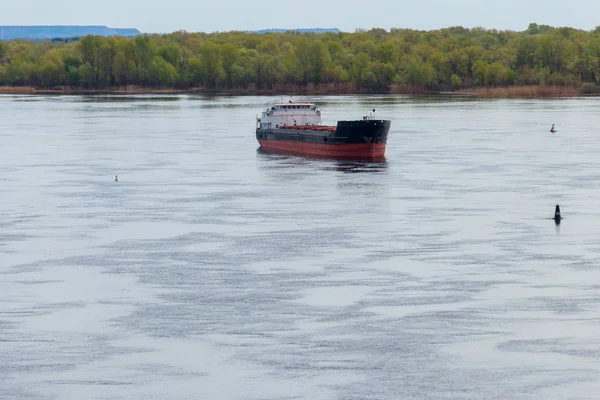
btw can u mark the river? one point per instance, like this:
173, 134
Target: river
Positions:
213, 271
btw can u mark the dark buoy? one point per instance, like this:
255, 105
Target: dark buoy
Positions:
557, 214
116, 178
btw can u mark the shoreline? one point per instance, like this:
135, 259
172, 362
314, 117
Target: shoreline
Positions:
477, 92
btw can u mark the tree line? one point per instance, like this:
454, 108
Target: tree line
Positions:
374, 59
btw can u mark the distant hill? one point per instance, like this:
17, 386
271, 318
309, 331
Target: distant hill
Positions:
314, 30
58, 31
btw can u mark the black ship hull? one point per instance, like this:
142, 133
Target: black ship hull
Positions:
361, 139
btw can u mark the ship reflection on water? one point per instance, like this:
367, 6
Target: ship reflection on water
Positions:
350, 177
345, 165
357, 167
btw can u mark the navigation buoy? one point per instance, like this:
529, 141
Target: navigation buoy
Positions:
557, 214
116, 178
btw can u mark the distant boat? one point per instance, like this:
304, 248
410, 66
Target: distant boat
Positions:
296, 128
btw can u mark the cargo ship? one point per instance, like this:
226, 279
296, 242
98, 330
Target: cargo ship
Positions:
296, 128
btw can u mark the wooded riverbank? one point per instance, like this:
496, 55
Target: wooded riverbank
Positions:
498, 92
486, 62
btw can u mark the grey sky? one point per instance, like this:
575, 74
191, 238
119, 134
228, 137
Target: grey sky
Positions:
347, 15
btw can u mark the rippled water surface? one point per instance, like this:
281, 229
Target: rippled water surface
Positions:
214, 271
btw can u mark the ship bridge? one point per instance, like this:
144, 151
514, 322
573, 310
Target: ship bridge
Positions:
290, 114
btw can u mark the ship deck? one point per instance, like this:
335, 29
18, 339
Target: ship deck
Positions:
317, 128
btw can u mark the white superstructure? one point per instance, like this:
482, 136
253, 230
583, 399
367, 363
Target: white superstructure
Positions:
289, 114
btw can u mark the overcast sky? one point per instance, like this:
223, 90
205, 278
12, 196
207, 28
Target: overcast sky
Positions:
222, 15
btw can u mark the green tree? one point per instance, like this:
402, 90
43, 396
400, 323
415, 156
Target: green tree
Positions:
388, 53
171, 53
526, 49
418, 73
495, 75
336, 51
459, 63
319, 59
17, 74
108, 53
479, 71
73, 76
261, 65
52, 69
87, 76
442, 66
455, 81
90, 56
359, 67
193, 72
240, 77
194, 44
211, 65
423, 50
123, 69
161, 73
230, 55
144, 51
552, 52
384, 74
303, 56
269, 47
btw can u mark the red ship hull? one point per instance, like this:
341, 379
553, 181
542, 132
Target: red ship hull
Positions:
342, 150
